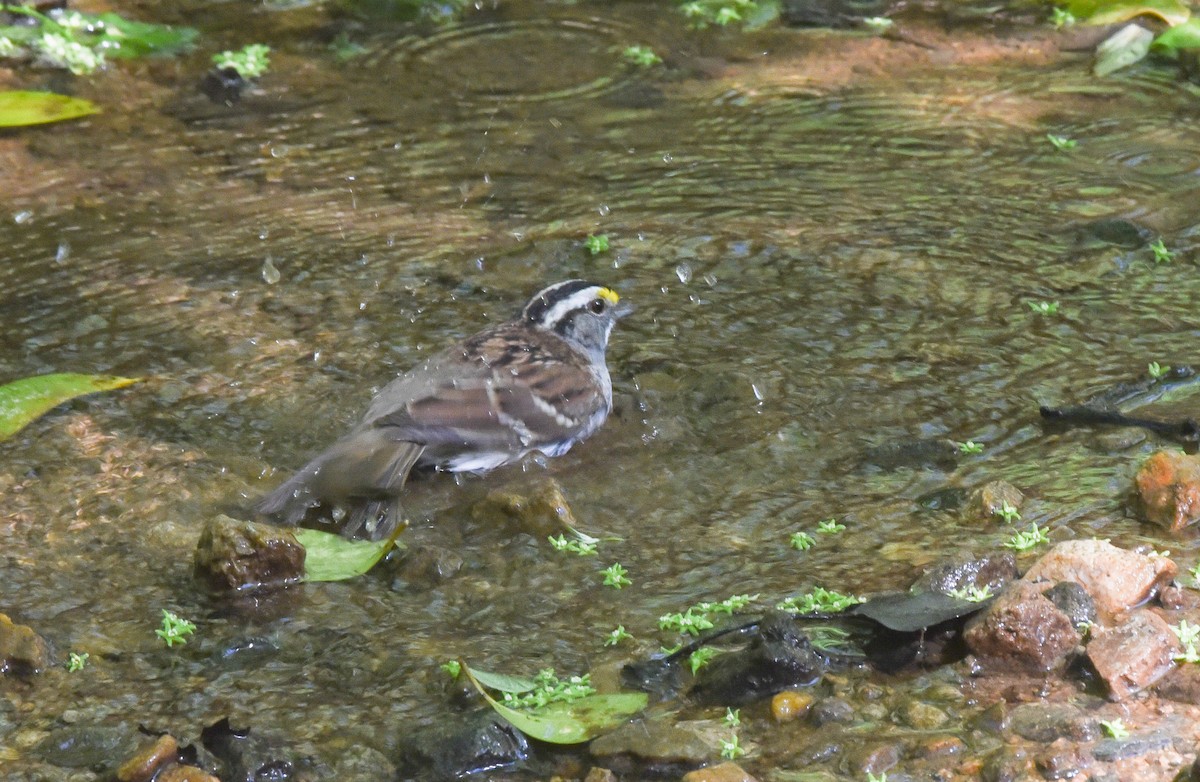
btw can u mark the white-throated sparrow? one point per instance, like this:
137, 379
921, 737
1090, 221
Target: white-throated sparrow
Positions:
538, 382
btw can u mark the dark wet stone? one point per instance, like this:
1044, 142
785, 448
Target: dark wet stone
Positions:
87, 746
1046, 722
938, 453
778, 657
876, 759
992, 719
245, 755
22, 651
459, 745
1074, 601
993, 571
912, 612
831, 13
1109, 750
223, 85
360, 762
1021, 630
241, 556
1063, 760
831, 711
663, 742
1007, 765
426, 566
945, 498
1110, 232
1182, 684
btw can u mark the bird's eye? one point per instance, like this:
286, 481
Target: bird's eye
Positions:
598, 306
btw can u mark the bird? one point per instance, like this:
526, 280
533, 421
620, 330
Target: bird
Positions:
538, 382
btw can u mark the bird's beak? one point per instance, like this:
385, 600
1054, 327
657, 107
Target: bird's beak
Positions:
622, 309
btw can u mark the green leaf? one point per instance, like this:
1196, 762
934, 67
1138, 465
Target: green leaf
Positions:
330, 557
125, 38
503, 682
568, 723
23, 401
22, 107
1172, 12
1179, 37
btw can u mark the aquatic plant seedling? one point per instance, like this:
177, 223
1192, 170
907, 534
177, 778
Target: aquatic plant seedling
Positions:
690, 622
878, 24
733, 717
250, 61
881, 777
1043, 307
596, 244
1195, 574
1161, 253
617, 636
802, 541
830, 527
1062, 143
1157, 370
174, 630
731, 749
1008, 513
751, 13
972, 594
615, 576
728, 605
818, 601
699, 658
1188, 634
578, 547
1115, 729
969, 447
1023, 541
77, 662
642, 56
1061, 17
452, 667
548, 688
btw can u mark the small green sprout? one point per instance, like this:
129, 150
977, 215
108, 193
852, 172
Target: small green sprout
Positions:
1195, 574
732, 749
1085, 627
881, 777
578, 547
1061, 17
1188, 634
1041, 307
596, 244
76, 662
1008, 513
818, 601
250, 61
1155, 553
1023, 541
1161, 253
971, 594
699, 658
726, 606
617, 636
1157, 370
690, 622
550, 689
642, 56
830, 527
1115, 728
615, 576
174, 629
670, 650
878, 24
802, 541
733, 717
452, 668
1062, 143
969, 447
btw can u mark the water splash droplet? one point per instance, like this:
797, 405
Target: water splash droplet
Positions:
270, 274
684, 272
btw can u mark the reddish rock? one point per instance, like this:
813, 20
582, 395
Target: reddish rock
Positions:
1115, 578
239, 556
21, 649
1135, 654
1181, 684
1168, 488
148, 760
725, 772
1021, 630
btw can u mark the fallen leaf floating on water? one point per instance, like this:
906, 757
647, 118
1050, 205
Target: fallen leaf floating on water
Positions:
23, 401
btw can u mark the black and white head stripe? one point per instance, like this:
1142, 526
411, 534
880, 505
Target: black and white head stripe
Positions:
551, 305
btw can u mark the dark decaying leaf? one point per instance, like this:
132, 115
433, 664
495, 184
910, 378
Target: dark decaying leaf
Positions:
910, 612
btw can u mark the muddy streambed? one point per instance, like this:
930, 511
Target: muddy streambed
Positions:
831, 240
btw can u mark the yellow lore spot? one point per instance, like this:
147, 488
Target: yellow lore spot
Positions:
609, 295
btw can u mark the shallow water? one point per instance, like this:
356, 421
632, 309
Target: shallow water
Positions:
829, 239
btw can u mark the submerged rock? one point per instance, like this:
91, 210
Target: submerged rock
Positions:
22, 651
250, 756
541, 512
663, 742
936, 453
86, 746
1115, 578
241, 556
1135, 654
1022, 630
458, 746
992, 571
722, 772
149, 759
777, 658
1168, 489
990, 499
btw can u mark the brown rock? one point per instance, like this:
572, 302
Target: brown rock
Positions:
1115, 578
595, 774
242, 556
988, 500
1168, 489
542, 512
1021, 630
725, 772
185, 774
146, 762
790, 704
22, 650
1181, 684
1135, 654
